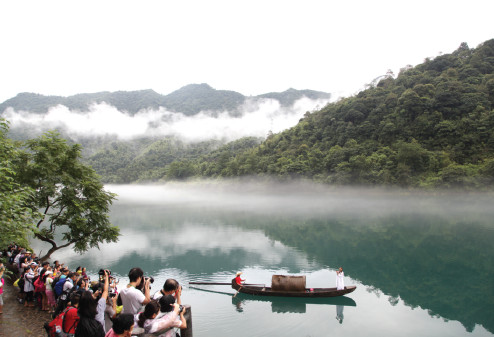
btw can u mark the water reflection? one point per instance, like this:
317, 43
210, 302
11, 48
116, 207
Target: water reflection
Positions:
427, 252
294, 305
339, 313
285, 304
430, 262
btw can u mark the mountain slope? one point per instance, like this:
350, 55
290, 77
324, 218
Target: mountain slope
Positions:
189, 100
431, 126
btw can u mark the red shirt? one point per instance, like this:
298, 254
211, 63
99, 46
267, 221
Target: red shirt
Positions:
238, 280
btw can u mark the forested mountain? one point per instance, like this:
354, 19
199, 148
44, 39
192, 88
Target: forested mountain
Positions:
188, 100
432, 125
148, 159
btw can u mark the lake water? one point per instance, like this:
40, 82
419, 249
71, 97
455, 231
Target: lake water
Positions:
422, 263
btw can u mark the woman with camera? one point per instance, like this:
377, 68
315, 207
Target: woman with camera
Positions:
154, 322
88, 326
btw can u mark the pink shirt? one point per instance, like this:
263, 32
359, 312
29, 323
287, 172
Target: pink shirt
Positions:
111, 334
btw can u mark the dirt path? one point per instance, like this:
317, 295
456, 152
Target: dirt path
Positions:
18, 321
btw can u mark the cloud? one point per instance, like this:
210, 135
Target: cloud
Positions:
256, 119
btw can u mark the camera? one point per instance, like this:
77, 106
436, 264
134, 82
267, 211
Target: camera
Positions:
112, 294
180, 309
101, 275
140, 286
102, 272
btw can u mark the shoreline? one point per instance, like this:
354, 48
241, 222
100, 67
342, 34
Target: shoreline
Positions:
18, 320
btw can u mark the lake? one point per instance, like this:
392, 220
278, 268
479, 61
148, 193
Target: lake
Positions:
422, 262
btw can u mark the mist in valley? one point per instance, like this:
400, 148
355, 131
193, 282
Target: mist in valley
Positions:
256, 119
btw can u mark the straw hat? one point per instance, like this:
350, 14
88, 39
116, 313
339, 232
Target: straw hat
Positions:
239, 273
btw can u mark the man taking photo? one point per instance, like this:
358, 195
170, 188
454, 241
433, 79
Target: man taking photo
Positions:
132, 298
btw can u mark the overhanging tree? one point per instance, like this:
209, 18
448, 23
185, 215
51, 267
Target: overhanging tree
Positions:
68, 194
15, 217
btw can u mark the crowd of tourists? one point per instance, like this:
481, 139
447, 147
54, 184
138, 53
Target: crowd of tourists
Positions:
82, 307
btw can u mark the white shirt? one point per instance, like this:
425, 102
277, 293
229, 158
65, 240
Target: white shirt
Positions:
131, 300
28, 283
68, 285
157, 295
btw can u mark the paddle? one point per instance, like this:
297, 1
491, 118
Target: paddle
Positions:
213, 283
225, 283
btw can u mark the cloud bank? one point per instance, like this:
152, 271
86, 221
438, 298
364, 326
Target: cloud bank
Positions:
257, 118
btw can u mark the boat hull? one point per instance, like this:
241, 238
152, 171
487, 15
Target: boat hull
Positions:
309, 292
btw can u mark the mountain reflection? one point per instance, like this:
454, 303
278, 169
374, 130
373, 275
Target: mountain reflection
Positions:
429, 262
428, 251
434, 262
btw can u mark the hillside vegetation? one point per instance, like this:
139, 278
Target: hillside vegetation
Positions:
432, 125
188, 100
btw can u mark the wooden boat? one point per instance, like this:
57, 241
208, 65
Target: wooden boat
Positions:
308, 292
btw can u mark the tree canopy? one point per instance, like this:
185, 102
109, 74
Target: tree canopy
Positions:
68, 194
16, 217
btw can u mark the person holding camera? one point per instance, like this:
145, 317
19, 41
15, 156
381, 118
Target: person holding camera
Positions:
171, 316
170, 287
28, 284
88, 326
132, 298
100, 293
152, 323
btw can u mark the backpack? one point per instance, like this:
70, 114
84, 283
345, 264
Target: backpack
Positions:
58, 289
21, 283
63, 300
57, 327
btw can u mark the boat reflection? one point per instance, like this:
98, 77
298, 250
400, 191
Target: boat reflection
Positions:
286, 304
294, 305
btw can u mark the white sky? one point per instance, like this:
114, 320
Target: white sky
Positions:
252, 47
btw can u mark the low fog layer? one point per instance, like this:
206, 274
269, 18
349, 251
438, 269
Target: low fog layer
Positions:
303, 198
256, 119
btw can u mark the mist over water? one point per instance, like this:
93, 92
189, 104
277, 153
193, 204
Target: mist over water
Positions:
305, 198
421, 261
255, 119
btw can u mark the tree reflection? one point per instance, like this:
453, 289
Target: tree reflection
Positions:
439, 264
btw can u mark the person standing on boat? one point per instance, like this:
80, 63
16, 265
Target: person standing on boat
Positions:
340, 285
239, 280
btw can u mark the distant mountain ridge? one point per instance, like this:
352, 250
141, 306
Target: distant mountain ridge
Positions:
189, 100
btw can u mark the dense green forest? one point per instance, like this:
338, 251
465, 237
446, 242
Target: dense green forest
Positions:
149, 159
431, 126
